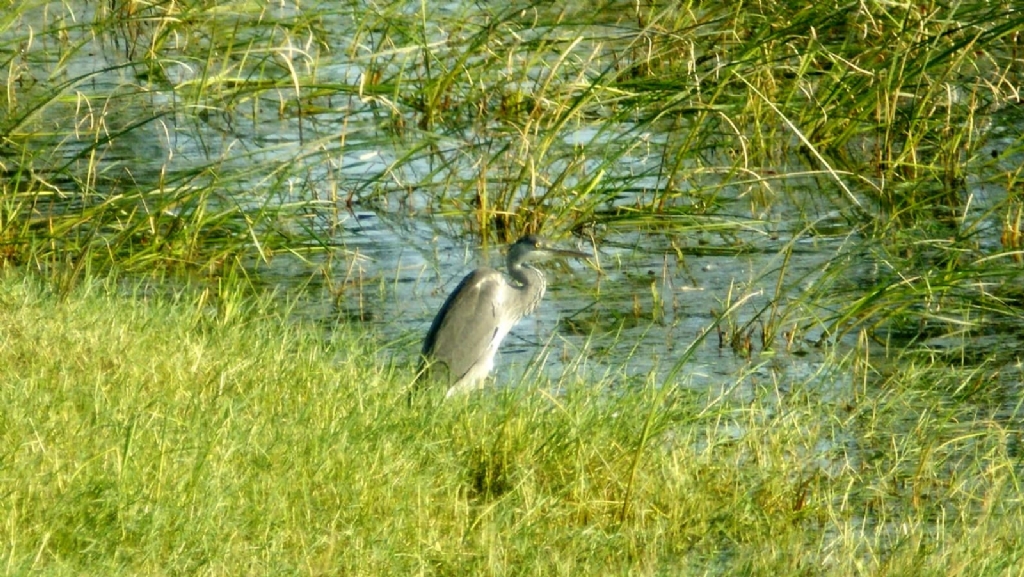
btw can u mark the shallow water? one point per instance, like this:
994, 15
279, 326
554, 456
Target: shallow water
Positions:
629, 314
655, 286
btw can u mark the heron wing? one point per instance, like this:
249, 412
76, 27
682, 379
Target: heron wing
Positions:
469, 324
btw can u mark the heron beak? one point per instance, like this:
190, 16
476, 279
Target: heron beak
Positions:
569, 253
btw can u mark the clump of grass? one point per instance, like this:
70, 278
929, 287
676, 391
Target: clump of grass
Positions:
130, 158
535, 115
148, 433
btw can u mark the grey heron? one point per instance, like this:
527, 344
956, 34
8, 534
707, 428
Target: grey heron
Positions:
460, 346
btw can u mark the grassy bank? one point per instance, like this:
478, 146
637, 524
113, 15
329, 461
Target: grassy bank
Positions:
155, 435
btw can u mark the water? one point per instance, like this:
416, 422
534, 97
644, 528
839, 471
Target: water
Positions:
628, 314
658, 283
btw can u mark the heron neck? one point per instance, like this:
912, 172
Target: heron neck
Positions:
531, 282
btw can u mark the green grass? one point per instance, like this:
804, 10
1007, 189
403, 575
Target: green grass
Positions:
514, 116
144, 434
198, 433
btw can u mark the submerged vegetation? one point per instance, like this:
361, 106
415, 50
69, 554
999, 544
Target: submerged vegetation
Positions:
204, 140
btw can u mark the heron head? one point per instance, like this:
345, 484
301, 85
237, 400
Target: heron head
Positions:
532, 248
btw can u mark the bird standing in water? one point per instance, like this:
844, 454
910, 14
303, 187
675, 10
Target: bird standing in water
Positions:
465, 335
